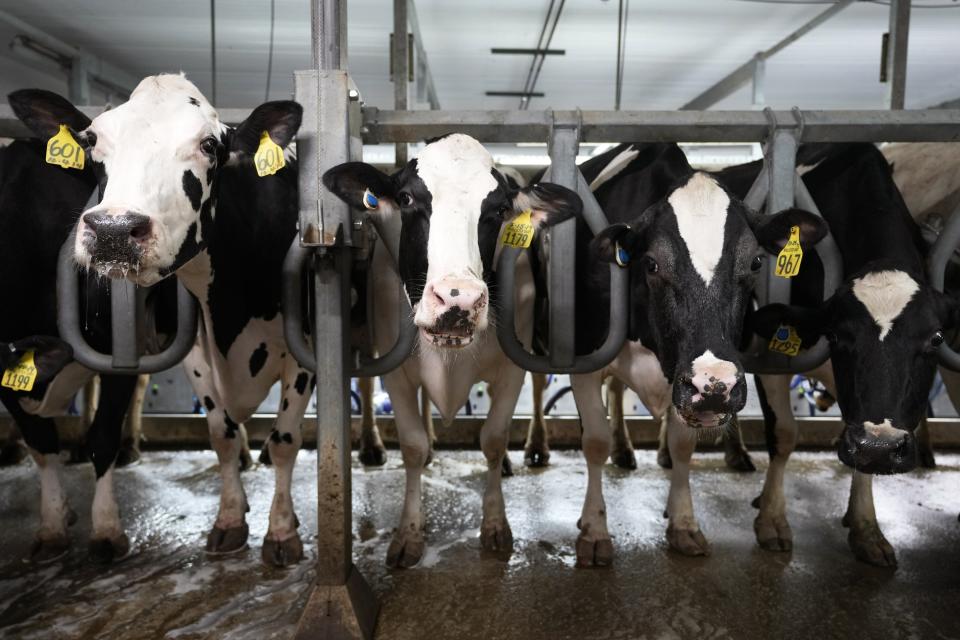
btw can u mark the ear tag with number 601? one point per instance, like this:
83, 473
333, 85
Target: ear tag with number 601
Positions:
785, 340
788, 260
64, 151
519, 233
21, 376
269, 157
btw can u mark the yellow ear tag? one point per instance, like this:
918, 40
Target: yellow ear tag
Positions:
519, 233
785, 340
64, 151
21, 376
269, 156
788, 260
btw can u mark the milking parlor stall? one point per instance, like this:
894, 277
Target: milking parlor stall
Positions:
460, 319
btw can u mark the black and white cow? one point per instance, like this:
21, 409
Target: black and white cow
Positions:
884, 324
39, 204
179, 195
447, 207
693, 251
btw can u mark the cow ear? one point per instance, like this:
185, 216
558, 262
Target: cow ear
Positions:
809, 323
548, 204
50, 355
280, 119
44, 111
773, 231
618, 244
362, 187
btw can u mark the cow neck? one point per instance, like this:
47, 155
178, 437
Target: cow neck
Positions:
196, 275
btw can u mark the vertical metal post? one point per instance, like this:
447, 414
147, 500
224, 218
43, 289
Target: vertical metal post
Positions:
564, 142
342, 604
79, 87
400, 54
896, 61
783, 159
127, 311
759, 76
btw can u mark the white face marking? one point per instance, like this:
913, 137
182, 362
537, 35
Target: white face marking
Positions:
709, 370
885, 294
618, 164
457, 172
807, 168
701, 210
146, 145
884, 431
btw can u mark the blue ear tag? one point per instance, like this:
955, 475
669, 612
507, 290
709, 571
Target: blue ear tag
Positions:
621, 256
369, 200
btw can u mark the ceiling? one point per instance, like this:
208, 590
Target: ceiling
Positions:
675, 49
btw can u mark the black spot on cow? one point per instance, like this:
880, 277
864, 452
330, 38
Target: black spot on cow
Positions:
196, 373
232, 427
193, 101
278, 437
193, 189
286, 403
257, 359
275, 436
208, 403
283, 355
301, 382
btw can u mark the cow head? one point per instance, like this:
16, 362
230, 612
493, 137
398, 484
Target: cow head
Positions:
694, 257
884, 327
452, 202
50, 355
157, 157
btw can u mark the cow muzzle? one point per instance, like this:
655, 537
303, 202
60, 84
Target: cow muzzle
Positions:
710, 393
452, 311
877, 448
114, 242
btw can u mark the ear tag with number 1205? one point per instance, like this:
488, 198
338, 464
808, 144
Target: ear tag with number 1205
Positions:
64, 151
788, 261
21, 376
519, 233
269, 156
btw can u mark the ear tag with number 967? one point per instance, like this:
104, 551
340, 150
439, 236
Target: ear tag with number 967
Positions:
64, 151
269, 156
788, 260
519, 233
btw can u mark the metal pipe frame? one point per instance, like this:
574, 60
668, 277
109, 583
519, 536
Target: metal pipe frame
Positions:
896, 62
127, 317
937, 263
426, 88
399, 73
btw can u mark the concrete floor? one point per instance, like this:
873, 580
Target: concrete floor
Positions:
167, 588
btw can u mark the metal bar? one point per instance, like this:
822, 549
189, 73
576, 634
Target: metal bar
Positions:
742, 74
896, 61
759, 78
937, 262
562, 240
515, 94
527, 52
124, 345
665, 126
400, 50
757, 194
426, 75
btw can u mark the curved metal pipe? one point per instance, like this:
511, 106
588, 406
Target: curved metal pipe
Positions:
68, 323
940, 254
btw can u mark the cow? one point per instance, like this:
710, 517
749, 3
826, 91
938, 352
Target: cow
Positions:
693, 251
445, 210
39, 204
179, 195
884, 325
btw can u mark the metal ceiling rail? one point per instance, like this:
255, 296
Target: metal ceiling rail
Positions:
11, 127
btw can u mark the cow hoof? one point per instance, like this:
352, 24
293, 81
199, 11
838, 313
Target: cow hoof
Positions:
263, 459
755, 503
593, 551
536, 456
225, 541
739, 460
106, 550
373, 455
663, 458
12, 454
127, 456
282, 553
497, 539
926, 458
869, 545
405, 552
625, 459
49, 550
506, 467
689, 542
773, 534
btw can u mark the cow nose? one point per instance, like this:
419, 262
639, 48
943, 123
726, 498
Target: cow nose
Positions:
111, 229
714, 378
451, 293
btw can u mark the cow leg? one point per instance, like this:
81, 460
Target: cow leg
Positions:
108, 541
536, 450
426, 414
683, 532
246, 458
663, 450
735, 453
133, 425
230, 531
770, 526
282, 545
91, 399
866, 539
495, 534
506, 467
407, 546
13, 451
623, 455
924, 445
594, 546
372, 452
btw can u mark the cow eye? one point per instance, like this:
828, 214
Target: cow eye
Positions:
209, 146
757, 264
650, 265
936, 340
405, 199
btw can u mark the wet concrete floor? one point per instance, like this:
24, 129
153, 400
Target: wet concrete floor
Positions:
167, 588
